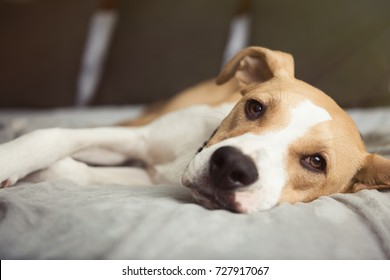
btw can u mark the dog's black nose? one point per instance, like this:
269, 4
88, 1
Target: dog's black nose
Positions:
230, 168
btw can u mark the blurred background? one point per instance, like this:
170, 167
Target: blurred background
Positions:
64, 53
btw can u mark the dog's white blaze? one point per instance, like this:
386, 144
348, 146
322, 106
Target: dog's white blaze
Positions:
268, 150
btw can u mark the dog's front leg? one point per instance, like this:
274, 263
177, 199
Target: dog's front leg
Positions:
41, 148
83, 174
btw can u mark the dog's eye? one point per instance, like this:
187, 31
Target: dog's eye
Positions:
315, 163
254, 109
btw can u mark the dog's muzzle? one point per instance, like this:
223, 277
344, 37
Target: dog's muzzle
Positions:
230, 169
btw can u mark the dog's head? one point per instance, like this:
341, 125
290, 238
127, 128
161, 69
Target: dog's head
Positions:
284, 141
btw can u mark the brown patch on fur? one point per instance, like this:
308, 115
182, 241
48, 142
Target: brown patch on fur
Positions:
343, 159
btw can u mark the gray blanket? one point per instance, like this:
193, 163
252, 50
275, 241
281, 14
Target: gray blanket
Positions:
61, 220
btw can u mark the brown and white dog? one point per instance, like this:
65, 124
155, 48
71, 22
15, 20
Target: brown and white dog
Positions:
267, 138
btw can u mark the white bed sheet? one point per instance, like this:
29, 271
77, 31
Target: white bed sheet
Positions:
61, 220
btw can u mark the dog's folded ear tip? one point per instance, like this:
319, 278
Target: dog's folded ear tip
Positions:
220, 80
224, 76
257, 64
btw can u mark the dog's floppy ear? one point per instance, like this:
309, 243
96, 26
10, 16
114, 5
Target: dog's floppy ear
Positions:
375, 174
257, 65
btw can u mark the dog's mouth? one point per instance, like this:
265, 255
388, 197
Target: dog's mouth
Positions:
213, 198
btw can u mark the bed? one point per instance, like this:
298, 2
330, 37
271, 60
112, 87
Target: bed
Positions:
62, 220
